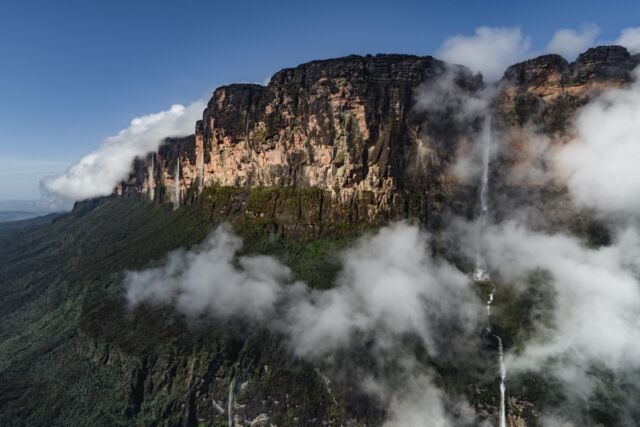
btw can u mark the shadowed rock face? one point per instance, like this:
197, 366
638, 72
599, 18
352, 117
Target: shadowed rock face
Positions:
347, 126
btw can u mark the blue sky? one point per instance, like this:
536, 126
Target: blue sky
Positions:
75, 72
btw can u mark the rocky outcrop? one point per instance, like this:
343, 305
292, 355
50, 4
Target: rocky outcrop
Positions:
546, 91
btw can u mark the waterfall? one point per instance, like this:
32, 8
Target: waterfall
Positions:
485, 140
503, 367
489, 302
232, 388
151, 183
481, 274
201, 173
176, 185
503, 387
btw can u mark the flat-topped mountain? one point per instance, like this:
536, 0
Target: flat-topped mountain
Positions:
348, 127
345, 126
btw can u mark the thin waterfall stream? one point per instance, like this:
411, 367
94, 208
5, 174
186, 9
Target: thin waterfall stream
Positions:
503, 367
176, 185
232, 389
481, 273
151, 179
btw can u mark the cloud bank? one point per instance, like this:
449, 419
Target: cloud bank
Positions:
389, 285
97, 173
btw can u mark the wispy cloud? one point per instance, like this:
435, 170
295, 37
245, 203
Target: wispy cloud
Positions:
490, 50
630, 38
570, 43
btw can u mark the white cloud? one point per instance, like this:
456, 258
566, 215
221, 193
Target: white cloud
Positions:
206, 281
97, 173
389, 282
389, 285
570, 43
601, 164
630, 38
595, 305
490, 50
420, 403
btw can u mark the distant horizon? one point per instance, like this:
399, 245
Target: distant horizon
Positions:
29, 206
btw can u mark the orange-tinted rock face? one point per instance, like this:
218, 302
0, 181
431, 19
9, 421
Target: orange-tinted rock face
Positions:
343, 125
348, 126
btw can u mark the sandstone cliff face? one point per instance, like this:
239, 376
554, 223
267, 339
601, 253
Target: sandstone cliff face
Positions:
344, 125
348, 127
